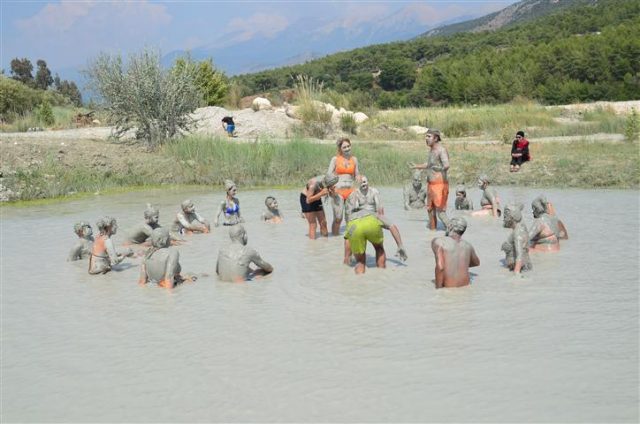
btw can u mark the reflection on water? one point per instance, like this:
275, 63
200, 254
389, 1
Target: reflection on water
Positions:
314, 342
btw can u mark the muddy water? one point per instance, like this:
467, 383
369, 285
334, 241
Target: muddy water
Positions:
314, 342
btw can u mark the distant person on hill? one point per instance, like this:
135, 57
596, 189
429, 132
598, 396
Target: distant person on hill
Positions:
229, 126
453, 256
519, 151
437, 165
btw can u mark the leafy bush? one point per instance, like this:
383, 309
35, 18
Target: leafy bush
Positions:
348, 123
44, 114
632, 127
18, 100
316, 119
141, 95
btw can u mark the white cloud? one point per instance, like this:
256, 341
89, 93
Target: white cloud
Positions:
258, 25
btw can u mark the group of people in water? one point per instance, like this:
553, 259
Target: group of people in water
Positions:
353, 200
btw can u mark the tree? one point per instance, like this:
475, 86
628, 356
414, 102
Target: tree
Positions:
397, 74
141, 95
43, 75
212, 84
21, 70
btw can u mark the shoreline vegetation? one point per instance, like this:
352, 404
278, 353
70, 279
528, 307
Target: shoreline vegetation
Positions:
478, 140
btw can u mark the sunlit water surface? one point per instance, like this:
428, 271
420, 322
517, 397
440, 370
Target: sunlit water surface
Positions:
314, 342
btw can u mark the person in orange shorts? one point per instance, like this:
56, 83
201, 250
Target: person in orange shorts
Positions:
437, 165
345, 166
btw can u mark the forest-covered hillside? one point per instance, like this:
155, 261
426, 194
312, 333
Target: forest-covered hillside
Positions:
584, 53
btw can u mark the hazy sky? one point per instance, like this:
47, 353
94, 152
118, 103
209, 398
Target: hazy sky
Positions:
69, 33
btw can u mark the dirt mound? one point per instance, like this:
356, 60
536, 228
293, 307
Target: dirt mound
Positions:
249, 124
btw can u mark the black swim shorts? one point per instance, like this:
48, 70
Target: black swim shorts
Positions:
313, 207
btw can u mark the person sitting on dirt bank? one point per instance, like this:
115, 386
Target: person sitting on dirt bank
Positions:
490, 202
519, 151
82, 248
189, 221
415, 193
234, 260
229, 126
230, 206
463, 203
454, 256
272, 213
103, 253
161, 263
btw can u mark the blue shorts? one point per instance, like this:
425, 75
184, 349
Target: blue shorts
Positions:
231, 129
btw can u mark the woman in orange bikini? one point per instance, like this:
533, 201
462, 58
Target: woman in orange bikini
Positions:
345, 166
103, 253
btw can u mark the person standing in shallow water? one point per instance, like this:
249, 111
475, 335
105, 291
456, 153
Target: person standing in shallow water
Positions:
311, 202
454, 256
230, 206
82, 248
234, 260
345, 166
516, 248
437, 165
103, 253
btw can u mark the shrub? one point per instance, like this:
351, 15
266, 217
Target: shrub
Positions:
141, 95
316, 119
632, 126
348, 123
44, 114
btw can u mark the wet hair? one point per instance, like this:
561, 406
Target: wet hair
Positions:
436, 132
329, 180
228, 185
150, 211
160, 238
417, 173
78, 226
236, 232
457, 225
186, 204
269, 200
520, 133
514, 211
105, 222
340, 141
539, 206
461, 189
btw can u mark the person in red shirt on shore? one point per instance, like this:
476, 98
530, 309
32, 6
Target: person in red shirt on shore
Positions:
519, 151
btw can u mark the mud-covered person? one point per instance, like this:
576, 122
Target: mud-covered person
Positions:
415, 193
311, 202
82, 248
453, 256
161, 263
189, 221
437, 165
235, 260
103, 253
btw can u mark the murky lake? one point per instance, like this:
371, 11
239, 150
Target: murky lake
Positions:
313, 341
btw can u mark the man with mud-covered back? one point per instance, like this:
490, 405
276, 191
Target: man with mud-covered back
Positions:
454, 256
